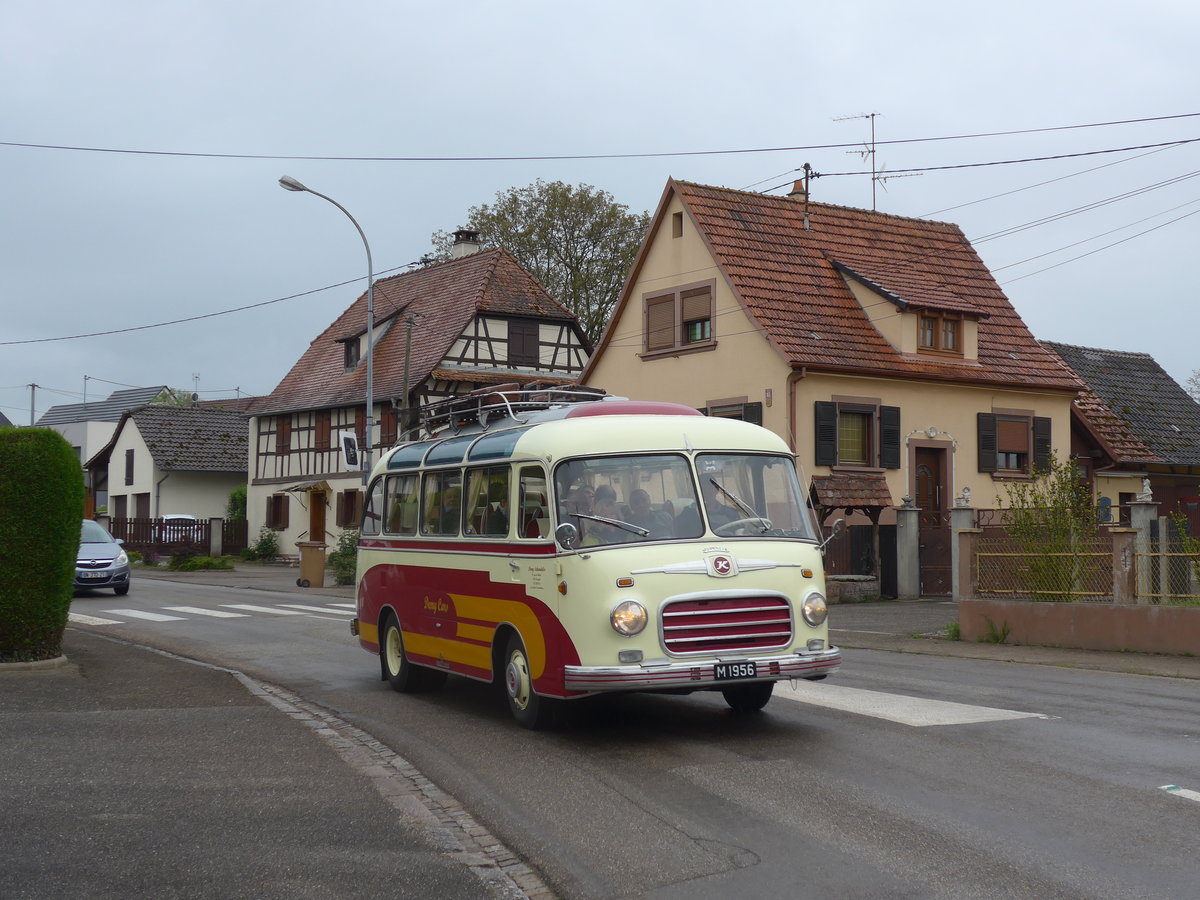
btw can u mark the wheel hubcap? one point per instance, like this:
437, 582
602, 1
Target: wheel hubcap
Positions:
516, 677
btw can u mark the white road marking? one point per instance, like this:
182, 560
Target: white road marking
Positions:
1181, 792
262, 609
80, 619
353, 606
914, 711
317, 609
138, 614
199, 611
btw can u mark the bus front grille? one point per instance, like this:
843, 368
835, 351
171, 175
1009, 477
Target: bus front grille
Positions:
726, 623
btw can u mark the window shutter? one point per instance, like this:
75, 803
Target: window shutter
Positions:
889, 437
341, 508
388, 425
752, 412
826, 433
284, 507
697, 305
1041, 443
270, 520
660, 324
987, 442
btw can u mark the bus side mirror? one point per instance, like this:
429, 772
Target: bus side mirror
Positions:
838, 526
566, 534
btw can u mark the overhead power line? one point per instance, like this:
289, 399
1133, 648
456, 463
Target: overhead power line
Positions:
564, 156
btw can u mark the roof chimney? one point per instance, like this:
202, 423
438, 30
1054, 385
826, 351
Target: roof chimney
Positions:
798, 191
465, 243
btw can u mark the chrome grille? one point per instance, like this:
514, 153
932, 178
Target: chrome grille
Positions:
712, 625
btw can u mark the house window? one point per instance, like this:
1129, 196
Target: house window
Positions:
283, 434
677, 224
1012, 444
524, 348
939, 332
680, 320
129, 467
746, 412
857, 434
277, 512
349, 508
322, 430
351, 352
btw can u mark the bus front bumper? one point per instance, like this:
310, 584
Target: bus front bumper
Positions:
701, 675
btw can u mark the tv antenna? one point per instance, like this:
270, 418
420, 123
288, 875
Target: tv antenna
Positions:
878, 173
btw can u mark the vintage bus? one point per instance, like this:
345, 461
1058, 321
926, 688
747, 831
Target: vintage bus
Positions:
569, 543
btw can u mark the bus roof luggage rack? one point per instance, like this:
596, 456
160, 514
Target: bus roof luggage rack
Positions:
483, 406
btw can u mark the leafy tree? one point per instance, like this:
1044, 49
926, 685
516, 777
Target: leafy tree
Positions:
1192, 385
235, 506
577, 241
173, 397
1050, 518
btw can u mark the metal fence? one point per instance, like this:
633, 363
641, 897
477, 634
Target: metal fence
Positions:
1006, 568
1169, 566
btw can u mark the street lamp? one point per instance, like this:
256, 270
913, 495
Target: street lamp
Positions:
291, 184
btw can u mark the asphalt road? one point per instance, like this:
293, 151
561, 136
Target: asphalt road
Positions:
904, 775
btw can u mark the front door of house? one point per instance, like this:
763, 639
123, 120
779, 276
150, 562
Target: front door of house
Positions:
316, 516
934, 529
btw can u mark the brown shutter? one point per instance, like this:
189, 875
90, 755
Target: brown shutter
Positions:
321, 440
987, 442
660, 323
697, 305
1012, 435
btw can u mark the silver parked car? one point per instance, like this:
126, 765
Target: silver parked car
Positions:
101, 562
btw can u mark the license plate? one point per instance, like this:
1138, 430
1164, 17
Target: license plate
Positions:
734, 671
93, 574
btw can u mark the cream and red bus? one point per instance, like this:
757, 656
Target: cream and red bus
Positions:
568, 543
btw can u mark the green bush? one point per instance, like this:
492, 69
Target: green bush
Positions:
344, 559
265, 548
41, 507
183, 563
235, 506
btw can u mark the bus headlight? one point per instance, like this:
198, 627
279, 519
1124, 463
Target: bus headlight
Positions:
628, 618
814, 609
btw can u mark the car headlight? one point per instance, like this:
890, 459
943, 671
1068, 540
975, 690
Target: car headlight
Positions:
814, 609
121, 560
628, 618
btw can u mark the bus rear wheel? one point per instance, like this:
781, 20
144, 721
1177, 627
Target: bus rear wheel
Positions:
748, 698
402, 675
529, 708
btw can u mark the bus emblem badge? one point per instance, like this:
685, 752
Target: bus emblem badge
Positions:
721, 566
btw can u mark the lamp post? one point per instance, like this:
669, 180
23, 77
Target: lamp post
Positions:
291, 184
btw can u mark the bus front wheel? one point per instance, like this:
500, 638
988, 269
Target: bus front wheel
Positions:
529, 708
748, 698
402, 675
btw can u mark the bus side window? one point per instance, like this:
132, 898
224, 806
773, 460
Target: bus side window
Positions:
373, 509
487, 492
442, 502
535, 514
402, 499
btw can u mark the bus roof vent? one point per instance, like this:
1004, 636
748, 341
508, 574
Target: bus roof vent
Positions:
484, 407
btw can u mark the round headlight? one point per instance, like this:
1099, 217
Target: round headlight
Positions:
814, 609
628, 617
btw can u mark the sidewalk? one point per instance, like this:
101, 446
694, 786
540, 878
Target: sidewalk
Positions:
128, 772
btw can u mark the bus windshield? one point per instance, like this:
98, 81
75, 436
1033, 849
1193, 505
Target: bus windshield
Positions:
624, 499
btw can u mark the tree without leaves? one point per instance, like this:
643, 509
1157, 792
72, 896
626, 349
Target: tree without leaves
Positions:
577, 241
1192, 385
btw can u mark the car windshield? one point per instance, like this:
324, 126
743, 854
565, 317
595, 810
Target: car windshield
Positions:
94, 533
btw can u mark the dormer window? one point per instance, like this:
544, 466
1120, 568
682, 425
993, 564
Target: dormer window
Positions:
351, 353
939, 333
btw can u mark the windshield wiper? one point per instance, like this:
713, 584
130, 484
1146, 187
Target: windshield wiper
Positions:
628, 526
742, 505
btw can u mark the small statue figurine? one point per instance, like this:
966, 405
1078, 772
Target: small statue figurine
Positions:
1145, 495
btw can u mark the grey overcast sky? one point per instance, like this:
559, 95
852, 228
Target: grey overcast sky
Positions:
1097, 250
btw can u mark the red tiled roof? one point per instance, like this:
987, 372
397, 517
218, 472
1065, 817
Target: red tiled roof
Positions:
447, 296
852, 490
780, 257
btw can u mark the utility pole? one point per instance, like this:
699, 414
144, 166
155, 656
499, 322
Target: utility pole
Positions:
32, 393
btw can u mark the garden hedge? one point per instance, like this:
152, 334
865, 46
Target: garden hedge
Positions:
41, 507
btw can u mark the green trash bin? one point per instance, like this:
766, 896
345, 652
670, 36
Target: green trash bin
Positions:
312, 564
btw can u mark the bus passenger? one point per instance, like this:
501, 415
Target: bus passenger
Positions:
642, 514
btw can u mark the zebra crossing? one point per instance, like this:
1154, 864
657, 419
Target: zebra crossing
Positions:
224, 611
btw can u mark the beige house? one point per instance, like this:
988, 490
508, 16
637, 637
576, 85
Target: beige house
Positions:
172, 460
879, 347
479, 319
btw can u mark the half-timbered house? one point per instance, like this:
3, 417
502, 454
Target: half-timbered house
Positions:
442, 330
